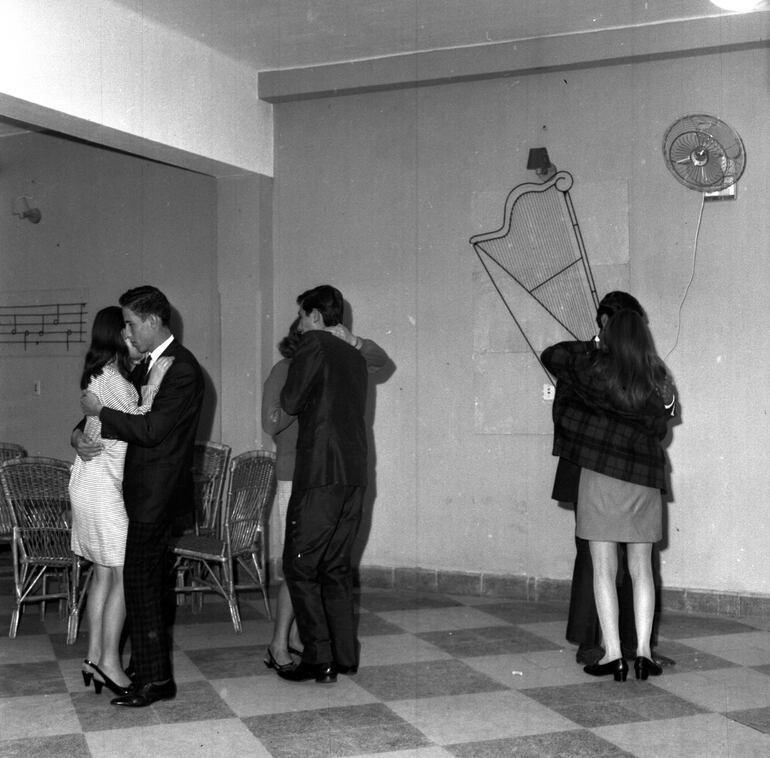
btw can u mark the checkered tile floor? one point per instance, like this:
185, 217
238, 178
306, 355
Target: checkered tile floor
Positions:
440, 676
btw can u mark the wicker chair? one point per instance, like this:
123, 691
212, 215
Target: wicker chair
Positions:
210, 465
37, 491
209, 561
8, 451
210, 468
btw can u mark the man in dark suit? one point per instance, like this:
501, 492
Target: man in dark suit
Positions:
157, 486
326, 388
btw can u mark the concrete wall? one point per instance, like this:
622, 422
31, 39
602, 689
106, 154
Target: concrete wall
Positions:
378, 193
109, 222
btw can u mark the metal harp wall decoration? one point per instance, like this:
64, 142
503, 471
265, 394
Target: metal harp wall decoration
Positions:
541, 248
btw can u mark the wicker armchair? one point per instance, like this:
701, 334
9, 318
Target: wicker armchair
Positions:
37, 491
8, 451
210, 562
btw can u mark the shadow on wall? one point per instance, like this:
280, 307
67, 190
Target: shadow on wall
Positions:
208, 411
370, 496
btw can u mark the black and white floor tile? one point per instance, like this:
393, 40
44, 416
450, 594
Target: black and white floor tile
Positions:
441, 676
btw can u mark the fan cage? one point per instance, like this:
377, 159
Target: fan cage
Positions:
704, 153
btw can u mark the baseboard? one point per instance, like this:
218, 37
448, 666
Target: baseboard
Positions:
537, 589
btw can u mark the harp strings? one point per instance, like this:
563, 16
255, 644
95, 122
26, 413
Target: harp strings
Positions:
541, 253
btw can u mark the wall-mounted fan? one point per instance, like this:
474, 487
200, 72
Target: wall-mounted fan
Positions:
704, 153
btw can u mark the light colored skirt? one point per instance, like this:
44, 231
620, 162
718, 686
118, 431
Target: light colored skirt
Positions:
612, 510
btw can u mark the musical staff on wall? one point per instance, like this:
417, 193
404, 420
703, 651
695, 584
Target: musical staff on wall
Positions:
43, 324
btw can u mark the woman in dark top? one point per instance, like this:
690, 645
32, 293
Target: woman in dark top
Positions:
618, 399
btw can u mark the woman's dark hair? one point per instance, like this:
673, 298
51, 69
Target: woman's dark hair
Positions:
288, 344
106, 343
628, 361
615, 301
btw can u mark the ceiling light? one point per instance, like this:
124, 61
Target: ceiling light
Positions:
739, 6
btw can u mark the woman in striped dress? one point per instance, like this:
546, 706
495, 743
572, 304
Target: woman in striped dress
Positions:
99, 521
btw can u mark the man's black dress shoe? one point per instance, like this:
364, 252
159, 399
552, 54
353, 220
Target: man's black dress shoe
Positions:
663, 660
323, 673
589, 654
147, 694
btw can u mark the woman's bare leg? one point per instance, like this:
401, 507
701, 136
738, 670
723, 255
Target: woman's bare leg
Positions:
98, 590
284, 617
640, 568
113, 619
605, 559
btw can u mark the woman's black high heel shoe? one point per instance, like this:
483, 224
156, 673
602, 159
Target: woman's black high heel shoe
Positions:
618, 668
644, 667
271, 663
87, 675
104, 682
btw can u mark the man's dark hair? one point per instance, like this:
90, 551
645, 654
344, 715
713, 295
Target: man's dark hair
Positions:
615, 301
147, 301
327, 300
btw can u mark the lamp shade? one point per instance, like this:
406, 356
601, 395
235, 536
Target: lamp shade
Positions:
538, 159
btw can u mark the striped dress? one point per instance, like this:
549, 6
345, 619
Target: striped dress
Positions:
99, 520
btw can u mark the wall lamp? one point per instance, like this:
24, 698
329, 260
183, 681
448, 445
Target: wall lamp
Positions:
23, 209
539, 162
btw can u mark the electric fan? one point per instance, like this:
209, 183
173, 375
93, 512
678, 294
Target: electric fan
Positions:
704, 153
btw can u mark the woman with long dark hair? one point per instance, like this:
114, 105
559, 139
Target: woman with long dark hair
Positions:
99, 520
618, 398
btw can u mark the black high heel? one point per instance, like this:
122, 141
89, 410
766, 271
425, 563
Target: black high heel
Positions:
644, 667
104, 682
618, 668
271, 663
294, 651
87, 675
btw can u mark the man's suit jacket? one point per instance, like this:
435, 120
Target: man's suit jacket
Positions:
326, 388
157, 479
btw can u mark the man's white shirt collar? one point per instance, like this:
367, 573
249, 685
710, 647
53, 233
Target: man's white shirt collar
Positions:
158, 351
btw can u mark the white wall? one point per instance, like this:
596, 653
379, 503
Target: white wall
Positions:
109, 222
106, 64
379, 193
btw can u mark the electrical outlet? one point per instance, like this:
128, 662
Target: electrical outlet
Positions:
548, 391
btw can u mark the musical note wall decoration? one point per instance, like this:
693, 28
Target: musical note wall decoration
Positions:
43, 324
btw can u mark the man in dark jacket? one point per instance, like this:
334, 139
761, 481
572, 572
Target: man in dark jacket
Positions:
326, 389
157, 486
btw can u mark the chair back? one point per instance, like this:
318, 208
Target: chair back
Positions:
8, 451
37, 491
210, 466
249, 497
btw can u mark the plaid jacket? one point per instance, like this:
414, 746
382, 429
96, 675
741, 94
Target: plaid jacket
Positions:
593, 434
